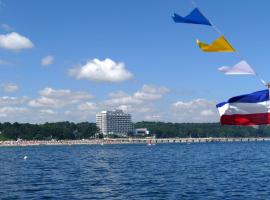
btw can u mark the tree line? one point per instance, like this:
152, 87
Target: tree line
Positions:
202, 130
47, 131
86, 130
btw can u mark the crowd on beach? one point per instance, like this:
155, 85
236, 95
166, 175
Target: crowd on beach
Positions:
49, 142
69, 142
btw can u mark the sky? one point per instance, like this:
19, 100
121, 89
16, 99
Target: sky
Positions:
67, 60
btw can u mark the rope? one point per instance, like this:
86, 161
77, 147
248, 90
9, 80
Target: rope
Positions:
221, 34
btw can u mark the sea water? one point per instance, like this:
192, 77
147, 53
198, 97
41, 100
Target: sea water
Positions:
232, 170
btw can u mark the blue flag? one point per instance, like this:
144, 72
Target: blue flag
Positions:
195, 17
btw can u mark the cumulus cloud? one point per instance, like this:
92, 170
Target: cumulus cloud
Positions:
207, 113
48, 60
123, 100
15, 41
14, 111
146, 93
150, 92
10, 87
11, 101
65, 93
138, 103
48, 111
88, 106
102, 71
57, 98
197, 110
47, 102
65, 104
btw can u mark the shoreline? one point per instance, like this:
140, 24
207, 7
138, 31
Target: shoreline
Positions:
22, 143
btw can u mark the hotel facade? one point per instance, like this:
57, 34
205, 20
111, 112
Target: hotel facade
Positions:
114, 122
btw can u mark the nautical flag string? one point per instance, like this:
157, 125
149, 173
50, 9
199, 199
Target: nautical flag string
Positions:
240, 68
219, 45
195, 17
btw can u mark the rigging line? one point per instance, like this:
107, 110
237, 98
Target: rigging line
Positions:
213, 25
221, 34
261, 79
215, 28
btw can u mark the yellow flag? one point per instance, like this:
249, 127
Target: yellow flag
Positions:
219, 45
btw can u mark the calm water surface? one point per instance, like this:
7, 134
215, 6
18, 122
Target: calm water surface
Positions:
165, 171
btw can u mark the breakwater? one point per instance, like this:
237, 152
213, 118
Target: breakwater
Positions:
128, 141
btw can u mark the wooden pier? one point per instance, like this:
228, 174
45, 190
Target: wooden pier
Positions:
180, 140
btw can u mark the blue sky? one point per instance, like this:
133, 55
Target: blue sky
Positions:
160, 72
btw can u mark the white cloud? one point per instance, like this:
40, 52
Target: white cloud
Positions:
119, 94
48, 111
47, 60
123, 100
8, 101
10, 87
125, 108
15, 41
88, 106
7, 111
65, 93
207, 113
47, 102
102, 71
138, 103
65, 104
197, 110
148, 92
142, 96
54, 98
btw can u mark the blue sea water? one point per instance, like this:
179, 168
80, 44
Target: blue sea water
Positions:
236, 170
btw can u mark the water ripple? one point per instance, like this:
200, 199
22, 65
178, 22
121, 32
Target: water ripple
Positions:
236, 170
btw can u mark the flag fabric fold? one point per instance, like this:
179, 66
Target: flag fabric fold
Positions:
195, 17
219, 45
248, 109
241, 68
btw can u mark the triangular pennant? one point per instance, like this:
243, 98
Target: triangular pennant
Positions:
240, 68
219, 45
195, 17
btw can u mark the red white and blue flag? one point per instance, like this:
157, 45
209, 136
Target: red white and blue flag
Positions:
247, 109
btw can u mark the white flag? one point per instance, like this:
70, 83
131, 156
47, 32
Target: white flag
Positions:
240, 68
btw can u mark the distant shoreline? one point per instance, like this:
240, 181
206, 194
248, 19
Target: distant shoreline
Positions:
22, 143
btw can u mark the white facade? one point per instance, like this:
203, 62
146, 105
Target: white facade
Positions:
141, 131
114, 122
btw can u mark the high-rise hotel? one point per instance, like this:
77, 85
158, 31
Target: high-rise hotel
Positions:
114, 122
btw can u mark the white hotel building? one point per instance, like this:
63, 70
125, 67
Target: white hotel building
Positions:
114, 122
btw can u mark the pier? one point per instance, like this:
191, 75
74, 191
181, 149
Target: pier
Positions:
127, 141
182, 140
